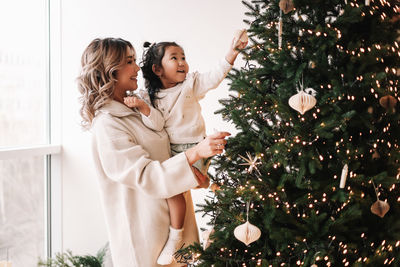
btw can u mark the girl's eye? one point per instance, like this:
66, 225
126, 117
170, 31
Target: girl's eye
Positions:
130, 61
183, 58
173, 58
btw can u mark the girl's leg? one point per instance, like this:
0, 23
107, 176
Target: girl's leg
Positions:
177, 210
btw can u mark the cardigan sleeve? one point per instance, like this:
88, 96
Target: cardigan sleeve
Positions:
203, 82
155, 121
120, 158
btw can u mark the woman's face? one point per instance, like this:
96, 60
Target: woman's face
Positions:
126, 76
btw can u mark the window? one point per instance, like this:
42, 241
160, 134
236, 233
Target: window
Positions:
28, 138
23, 73
22, 216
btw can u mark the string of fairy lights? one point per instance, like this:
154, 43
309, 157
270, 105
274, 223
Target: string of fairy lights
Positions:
343, 148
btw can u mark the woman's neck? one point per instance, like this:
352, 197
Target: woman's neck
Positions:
119, 99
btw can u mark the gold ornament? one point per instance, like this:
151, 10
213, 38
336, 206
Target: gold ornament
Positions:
286, 6
302, 102
247, 233
376, 155
215, 187
388, 102
370, 110
380, 208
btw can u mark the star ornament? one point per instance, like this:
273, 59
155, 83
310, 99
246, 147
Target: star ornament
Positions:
251, 162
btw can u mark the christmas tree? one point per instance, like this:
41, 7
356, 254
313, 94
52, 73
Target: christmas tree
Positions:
314, 166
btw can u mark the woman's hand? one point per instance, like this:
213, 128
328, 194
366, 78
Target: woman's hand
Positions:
210, 146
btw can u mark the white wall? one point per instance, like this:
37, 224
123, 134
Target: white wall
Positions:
203, 28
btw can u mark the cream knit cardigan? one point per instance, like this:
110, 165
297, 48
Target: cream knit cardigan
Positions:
135, 175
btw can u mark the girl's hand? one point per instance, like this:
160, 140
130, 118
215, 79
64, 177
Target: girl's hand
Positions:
210, 146
134, 102
236, 45
201, 178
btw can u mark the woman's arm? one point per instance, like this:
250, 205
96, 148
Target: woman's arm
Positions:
210, 146
120, 158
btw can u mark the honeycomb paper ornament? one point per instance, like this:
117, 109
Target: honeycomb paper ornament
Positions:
388, 102
380, 208
247, 233
302, 102
286, 6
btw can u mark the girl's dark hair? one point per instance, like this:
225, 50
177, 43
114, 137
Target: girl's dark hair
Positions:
153, 56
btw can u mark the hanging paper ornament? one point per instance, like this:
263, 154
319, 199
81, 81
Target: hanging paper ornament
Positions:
286, 6
206, 238
344, 176
380, 208
367, 2
247, 233
388, 102
302, 101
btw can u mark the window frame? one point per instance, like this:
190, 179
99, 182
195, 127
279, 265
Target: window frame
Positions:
52, 150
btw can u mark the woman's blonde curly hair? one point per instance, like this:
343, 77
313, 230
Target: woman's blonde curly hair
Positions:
100, 61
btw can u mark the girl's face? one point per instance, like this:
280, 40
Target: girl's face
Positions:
126, 76
173, 68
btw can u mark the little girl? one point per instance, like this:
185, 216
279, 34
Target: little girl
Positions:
175, 94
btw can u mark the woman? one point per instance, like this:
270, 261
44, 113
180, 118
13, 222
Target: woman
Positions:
135, 171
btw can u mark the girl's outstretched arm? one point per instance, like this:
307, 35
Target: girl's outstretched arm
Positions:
239, 42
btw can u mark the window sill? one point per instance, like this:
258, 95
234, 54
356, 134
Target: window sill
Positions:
21, 152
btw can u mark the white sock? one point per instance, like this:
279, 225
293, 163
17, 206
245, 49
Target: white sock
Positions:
174, 239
